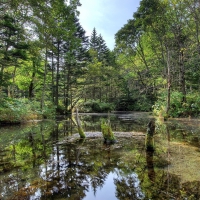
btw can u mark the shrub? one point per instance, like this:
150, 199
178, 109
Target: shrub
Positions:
177, 107
49, 110
18, 110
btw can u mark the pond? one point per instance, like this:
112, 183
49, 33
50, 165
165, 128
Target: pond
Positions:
39, 161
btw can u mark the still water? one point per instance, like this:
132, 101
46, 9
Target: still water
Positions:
37, 161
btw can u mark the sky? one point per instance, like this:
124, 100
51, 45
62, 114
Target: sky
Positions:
107, 16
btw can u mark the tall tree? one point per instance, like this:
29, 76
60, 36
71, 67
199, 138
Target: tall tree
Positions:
103, 51
76, 57
12, 46
94, 43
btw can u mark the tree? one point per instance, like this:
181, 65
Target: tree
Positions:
13, 48
103, 51
94, 43
74, 68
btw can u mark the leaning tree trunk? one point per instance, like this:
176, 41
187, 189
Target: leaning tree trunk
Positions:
80, 129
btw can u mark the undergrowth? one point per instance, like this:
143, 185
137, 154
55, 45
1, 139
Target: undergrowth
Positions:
18, 110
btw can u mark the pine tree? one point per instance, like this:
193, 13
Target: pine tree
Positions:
94, 43
98, 46
103, 51
76, 56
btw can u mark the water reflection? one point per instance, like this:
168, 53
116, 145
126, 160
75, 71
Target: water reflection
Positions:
128, 187
150, 165
105, 192
34, 165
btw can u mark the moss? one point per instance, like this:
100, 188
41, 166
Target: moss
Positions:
107, 132
81, 132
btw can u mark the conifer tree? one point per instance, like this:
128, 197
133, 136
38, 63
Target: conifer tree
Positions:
103, 51
76, 56
98, 45
94, 43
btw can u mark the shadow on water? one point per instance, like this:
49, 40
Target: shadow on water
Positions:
36, 164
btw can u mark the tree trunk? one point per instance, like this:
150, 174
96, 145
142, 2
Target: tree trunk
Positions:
31, 86
149, 136
168, 82
182, 75
57, 74
52, 77
44, 81
13, 82
80, 129
67, 93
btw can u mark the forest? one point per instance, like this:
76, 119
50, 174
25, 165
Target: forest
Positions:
48, 66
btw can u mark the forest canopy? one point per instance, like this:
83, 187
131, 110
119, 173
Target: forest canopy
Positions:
48, 65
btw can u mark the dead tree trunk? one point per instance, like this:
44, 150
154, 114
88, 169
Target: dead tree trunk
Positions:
80, 129
149, 137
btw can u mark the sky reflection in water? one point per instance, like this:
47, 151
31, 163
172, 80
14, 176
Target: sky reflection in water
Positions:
92, 170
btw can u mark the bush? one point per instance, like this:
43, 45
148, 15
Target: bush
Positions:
18, 110
143, 104
177, 107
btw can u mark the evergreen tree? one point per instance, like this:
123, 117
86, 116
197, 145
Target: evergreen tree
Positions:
94, 43
103, 51
76, 57
98, 46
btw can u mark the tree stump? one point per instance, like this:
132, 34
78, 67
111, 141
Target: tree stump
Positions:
149, 136
108, 135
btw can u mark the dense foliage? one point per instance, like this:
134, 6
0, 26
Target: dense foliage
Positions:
159, 48
46, 58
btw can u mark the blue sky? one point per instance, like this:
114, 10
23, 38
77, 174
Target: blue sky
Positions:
107, 16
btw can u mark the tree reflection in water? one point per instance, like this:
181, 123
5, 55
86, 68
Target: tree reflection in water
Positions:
150, 166
128, 187
35, 166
